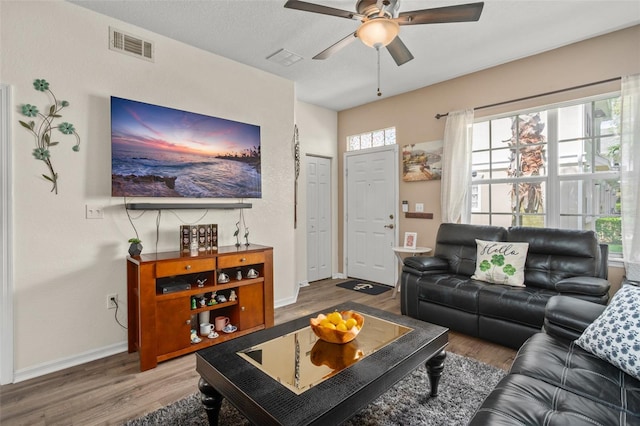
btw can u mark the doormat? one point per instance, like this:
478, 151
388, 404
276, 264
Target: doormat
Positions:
366, 287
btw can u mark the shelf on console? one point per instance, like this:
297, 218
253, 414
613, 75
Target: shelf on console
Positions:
176, 206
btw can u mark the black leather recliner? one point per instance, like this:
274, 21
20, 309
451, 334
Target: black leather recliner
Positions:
553, 381
440, 290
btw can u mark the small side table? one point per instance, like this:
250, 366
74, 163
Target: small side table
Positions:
399, 252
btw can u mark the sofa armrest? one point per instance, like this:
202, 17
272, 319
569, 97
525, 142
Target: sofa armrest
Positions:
567, 317
588, 286
424, 265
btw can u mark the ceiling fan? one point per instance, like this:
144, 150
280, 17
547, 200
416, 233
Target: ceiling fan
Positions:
381, 23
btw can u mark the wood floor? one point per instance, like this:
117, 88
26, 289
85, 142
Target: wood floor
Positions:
112, 390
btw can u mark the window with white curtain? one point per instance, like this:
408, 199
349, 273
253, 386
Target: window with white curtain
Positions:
372, 139
555, 167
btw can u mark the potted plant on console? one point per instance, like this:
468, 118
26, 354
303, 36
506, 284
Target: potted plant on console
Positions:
136, 247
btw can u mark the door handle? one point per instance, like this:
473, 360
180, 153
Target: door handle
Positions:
390, 226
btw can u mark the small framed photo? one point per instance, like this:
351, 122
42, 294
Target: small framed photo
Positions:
410, 240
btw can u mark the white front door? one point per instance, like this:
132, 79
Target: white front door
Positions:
371, 200
318, 218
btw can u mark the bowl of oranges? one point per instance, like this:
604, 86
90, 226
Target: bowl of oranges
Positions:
337, 327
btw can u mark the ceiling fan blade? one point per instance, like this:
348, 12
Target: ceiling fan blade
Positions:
325, 10
399, 51
439, 15
335, 47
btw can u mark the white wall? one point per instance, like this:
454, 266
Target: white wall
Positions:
64, 264
317, 131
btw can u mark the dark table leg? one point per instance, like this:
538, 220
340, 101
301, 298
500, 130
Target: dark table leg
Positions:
211, 400
434, 367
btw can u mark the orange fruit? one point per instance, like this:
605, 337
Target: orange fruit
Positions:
335, 318
350, 323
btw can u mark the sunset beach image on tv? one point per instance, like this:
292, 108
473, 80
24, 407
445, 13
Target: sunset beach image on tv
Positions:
163, 152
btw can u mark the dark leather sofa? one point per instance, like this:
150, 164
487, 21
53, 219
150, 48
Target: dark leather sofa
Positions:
553, 381
440, 289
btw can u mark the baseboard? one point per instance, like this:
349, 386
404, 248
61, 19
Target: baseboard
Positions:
339, 276
284, 302
304, 283
61, 364
288, 301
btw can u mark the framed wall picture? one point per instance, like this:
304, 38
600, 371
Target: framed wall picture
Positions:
422, 161
410, 239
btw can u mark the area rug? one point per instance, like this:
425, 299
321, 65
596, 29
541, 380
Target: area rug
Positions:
362, 286
463, 386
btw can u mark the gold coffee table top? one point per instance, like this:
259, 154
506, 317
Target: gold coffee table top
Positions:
300, 360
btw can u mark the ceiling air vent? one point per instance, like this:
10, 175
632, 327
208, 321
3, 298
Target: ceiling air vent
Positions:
130, 44
284, 57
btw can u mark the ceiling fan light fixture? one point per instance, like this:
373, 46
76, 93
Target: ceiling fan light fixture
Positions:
378, 32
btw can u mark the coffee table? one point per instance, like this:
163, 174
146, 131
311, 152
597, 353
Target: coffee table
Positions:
284, 375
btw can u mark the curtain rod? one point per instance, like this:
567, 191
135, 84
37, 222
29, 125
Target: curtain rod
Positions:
439, 116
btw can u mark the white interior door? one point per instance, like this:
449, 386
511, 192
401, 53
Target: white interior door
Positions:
318, 218
371, 200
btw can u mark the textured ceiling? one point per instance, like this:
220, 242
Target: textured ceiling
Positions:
248, 31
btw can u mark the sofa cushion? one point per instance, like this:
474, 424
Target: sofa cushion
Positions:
521, 400
615, 335
522, 305
457, 244
563, 364
555, 254
454, 291
500, 263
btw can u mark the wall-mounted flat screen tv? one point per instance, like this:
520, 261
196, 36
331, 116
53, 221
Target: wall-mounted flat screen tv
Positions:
163, 152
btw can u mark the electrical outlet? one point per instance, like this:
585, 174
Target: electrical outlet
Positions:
93, 212
112, 301
420, 207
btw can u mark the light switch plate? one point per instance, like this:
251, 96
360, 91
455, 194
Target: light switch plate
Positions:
419, 207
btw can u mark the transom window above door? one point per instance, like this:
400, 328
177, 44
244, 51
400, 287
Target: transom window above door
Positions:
372, 139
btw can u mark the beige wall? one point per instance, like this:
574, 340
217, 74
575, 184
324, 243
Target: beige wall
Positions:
612, 55
65, 265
